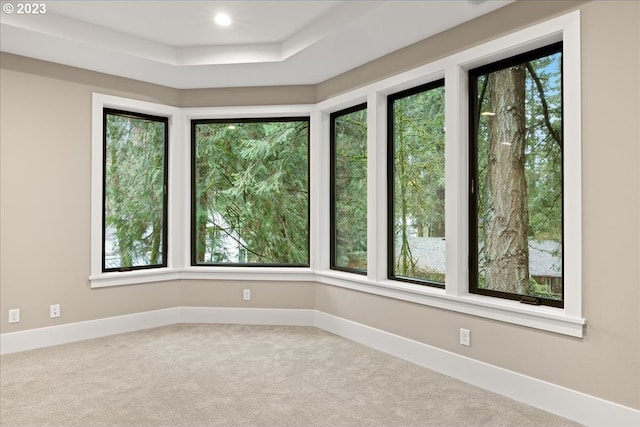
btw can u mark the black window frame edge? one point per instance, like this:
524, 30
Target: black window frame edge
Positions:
332, 188
192, 215
165, 198
473, 75
391, 98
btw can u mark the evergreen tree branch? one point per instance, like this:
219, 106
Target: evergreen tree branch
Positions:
239, 242
483, 92
545, 106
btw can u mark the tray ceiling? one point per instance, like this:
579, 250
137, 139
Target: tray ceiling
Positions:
176, 43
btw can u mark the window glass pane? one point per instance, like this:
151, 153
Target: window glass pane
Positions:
417, 185
349, 198
251, 192
518, 198
135, 165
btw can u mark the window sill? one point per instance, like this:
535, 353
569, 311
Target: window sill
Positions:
539, 317
287, 274
122, 278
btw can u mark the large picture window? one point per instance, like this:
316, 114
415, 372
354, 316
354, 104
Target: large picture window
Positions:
250, 192
417, 184
516, 220
134, 232
348, 135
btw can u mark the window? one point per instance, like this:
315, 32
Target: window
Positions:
348, 137
516, 150
134, 215
417, 184
250, 192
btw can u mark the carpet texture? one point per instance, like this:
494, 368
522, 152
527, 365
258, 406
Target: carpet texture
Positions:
239, 375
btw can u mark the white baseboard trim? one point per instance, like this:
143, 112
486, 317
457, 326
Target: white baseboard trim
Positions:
72, 332
559, 400
248, 316
580, 407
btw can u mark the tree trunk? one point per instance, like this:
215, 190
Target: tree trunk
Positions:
154, 257
506, 215
202, 212
405, 251
437, 227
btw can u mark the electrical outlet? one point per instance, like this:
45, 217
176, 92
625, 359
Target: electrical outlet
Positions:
246, 295
54, 310
465, 337
14, 315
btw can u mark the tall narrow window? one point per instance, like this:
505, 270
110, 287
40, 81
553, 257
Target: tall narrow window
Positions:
250, 192
349, 189
417, 185
516, 220
135, 191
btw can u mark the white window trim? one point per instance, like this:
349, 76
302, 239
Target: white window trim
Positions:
99, 102
232, 272
455, 296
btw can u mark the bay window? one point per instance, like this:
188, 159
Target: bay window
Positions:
463, 174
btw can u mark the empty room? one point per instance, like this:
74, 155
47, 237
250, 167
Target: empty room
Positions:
320, 213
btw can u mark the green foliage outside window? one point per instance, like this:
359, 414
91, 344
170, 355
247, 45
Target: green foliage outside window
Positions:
250, 192
349, 169
134, 190
418, 184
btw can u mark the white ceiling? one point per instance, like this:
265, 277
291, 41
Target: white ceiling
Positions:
176, 44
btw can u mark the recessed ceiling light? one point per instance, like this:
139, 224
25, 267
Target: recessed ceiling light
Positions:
222, 19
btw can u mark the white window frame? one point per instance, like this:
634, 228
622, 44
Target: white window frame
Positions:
455, 296
231, 272
98, 278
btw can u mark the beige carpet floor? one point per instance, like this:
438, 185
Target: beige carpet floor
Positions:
238, 375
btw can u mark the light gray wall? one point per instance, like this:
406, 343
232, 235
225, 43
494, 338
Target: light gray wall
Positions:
45, 131
245, 96
266, 294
